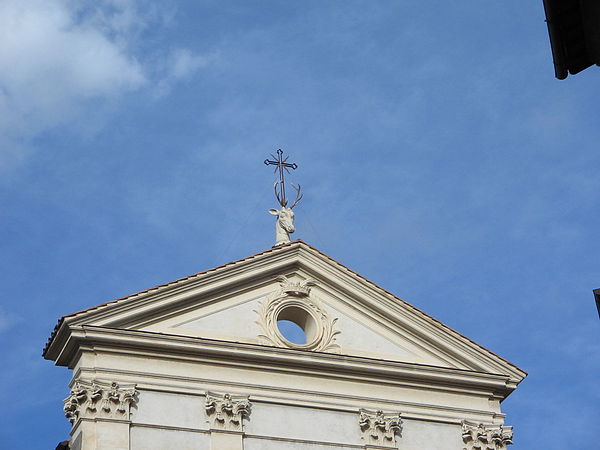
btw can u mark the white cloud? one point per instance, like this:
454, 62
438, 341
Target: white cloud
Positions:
179, 65
57, 55
184, 63
48, 60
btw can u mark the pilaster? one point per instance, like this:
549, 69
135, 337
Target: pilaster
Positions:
379, 430
100, 414
226, 414
477, 436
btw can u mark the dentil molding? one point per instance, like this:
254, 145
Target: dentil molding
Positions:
478, 436
226, 411
96, 399
379, 428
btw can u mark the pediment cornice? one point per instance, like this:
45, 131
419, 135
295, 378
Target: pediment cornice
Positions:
258, 271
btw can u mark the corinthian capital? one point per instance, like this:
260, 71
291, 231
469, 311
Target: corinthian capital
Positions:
93, 399
477, 436
227, 412
379, 428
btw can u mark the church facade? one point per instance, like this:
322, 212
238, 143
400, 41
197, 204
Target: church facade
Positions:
203, 363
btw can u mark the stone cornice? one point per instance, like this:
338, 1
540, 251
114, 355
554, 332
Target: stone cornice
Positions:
259, 270
180, 295
227, 276
282, 359
418, 325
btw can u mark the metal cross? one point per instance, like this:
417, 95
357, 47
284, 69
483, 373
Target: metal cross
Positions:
281, 164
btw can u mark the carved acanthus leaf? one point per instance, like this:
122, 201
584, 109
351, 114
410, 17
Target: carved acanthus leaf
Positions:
478, 436
226, 411
379, 428
92, 399
295, 288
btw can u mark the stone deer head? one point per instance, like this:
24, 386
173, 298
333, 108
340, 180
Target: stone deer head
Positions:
285, 217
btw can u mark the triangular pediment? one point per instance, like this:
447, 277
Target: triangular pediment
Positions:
340, 311
238, 318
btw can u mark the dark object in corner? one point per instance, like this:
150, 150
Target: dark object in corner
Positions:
64, 445
574, 27
597, 295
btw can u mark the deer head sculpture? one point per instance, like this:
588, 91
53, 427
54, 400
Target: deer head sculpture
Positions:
285, 216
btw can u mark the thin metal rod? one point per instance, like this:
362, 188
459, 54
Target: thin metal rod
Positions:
281, 165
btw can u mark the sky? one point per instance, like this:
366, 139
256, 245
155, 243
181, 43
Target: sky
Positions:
438, 155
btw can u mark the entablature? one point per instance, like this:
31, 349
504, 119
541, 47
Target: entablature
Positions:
284, 360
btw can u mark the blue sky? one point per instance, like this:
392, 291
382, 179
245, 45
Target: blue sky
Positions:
438, 155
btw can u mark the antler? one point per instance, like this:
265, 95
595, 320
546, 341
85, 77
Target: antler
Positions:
281, 202
298, 195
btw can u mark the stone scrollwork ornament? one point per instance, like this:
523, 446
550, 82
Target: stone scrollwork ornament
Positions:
97, 399
293, 301
379, 428
227, 412
477, 436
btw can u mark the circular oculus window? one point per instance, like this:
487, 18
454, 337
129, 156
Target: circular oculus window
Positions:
297, 326
297, 322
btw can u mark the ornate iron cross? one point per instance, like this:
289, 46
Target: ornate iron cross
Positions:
281, 164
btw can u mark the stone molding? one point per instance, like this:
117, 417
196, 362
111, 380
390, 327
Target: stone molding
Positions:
379, 428
295, 288
152, 305
248, 356
478, 436
96, 399
226, 411
297, 296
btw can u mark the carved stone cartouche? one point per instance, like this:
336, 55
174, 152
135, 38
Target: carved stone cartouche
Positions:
296, 295
295, 288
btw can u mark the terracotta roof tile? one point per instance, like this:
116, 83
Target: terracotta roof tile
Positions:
271, 250
160, 286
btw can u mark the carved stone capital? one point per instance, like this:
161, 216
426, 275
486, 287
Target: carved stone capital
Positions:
97, 399
226, 411
477, 436
294, 301
379, 428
